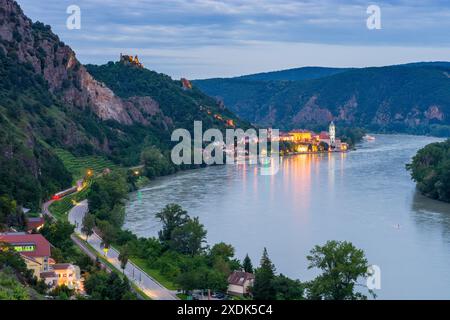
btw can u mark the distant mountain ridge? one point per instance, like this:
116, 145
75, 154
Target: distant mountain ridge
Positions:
400, 98
297, 74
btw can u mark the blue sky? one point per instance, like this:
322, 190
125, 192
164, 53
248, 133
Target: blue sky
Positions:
217, 38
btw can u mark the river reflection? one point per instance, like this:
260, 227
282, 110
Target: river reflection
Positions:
365, 196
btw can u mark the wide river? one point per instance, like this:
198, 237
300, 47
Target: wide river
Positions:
365, 196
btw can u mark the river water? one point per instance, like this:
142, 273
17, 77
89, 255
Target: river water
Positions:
365, 196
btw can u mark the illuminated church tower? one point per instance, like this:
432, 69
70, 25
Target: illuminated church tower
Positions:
332, 131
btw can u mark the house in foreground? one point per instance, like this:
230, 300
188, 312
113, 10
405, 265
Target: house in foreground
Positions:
35, 250
68, 275
239, 283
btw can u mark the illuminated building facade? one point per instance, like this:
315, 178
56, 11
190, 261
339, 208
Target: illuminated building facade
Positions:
307, 141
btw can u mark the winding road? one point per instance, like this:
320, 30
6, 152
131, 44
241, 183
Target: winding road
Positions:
147, 284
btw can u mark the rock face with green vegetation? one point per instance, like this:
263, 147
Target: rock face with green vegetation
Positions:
51, 105
412, 98
16, 282
11, 288
430, 168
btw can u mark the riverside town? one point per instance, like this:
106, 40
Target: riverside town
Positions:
224, 158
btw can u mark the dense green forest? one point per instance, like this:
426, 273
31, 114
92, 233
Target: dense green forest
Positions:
182, 106
430, 168
406, 98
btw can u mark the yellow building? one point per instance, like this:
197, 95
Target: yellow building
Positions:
301, 135
68, 274
33, 248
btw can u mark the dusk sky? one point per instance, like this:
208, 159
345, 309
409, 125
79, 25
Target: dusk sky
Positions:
220, 38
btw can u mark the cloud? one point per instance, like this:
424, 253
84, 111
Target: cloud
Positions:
191, 28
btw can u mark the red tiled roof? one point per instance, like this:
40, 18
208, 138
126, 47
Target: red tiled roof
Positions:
324, 135
42, 246
238, 278
34, 223
49, 274
61, 266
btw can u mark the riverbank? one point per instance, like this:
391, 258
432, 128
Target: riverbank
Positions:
430, 169
149, 286
314, 199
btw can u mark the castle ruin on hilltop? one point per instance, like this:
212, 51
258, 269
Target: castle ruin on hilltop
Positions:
129, 60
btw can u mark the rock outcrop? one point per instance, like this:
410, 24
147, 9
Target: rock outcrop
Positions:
35, 44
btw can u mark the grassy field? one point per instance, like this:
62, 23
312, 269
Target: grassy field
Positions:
154, 273
78, 166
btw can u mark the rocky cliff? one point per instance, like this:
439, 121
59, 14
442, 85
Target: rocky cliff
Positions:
49, 100
35, 44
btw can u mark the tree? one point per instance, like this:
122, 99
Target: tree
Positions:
106, 198
430, 168
103, 286
190, 280
188, 238
62, 292
88, 225
58, 234
108, 233
123, 257
220, 258
171, 217
156, 164
247, 264
221, 249
10, 213
263, 287
342, 265
216, 280
288, 289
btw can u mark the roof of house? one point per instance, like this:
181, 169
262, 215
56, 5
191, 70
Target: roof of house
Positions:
238, 278
33, 223
61, 266
300, 131
324, 135
42, 246
48, 274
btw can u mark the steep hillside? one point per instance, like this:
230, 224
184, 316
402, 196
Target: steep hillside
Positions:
408, 98
180, 107
49, 101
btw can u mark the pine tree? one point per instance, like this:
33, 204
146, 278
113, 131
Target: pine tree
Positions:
247, 264
263, 288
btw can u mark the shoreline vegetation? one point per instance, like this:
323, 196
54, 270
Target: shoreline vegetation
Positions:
109, 218
430, 169
180, 258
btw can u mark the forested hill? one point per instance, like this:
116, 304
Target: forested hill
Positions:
406, 98
180, 105
49, 101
